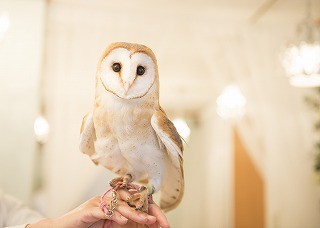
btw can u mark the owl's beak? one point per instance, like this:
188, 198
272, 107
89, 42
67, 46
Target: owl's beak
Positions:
126, 87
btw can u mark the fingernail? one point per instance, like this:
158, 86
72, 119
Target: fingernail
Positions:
151, 218
142, 215
123, 218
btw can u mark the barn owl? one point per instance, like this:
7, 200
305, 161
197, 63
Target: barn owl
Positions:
128, 132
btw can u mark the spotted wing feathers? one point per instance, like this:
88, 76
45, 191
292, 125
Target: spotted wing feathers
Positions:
87, 135
173, 181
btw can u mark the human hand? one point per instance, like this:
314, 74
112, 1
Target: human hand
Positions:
89, 214
154, 211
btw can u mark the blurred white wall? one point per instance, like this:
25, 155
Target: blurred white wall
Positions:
217, 138
201, 48
20, 68
198, 55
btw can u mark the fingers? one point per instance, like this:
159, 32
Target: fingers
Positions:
155, 218
118, 218
95, 213
154, 225
156, 211
123, 194
136, 216
130, 213
126, 211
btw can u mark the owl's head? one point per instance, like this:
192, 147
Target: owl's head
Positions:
127, 70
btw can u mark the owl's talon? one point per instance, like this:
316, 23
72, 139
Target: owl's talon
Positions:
123, 185
115, 181
121, 180
132, 191
139, 200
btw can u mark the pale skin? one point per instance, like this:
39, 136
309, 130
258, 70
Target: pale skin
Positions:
89, 214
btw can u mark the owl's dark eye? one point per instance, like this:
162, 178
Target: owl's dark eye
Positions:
116, 67
140, 70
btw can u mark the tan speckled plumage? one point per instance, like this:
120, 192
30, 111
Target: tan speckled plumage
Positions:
128, 132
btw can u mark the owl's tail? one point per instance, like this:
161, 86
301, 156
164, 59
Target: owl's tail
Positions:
173, 187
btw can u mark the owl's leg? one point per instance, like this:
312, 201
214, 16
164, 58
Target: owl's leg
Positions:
126, 180
154, 185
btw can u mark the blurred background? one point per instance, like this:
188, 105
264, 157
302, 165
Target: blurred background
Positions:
240, 78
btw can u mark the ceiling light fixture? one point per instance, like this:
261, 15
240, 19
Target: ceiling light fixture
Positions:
231, 103
301, 59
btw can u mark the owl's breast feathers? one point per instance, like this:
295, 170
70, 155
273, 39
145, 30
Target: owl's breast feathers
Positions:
120, 128
123, 119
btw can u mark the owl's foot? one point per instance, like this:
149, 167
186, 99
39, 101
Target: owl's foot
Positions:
115, 181
122, 181
139, 200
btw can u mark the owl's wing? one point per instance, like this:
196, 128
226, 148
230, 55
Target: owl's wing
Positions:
87, 135
173, 181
